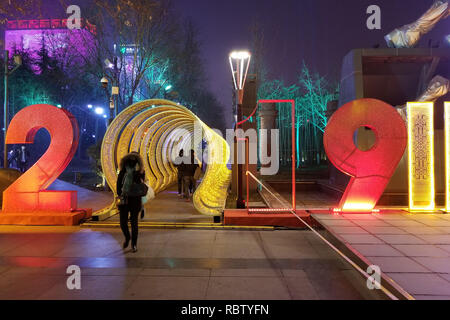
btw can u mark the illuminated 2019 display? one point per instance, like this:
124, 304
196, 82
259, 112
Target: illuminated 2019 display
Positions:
28, 193
157, 129
421, 156
370, 170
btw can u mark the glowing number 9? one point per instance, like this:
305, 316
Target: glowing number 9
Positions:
28, 193
370, 170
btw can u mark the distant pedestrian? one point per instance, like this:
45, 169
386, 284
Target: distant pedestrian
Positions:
189, 182
23, 159
179, 163
130, 191
13, 158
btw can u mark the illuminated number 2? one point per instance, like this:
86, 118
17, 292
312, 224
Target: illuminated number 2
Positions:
28, 193
371, 170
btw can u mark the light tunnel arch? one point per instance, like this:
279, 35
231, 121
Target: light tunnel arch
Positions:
157, 129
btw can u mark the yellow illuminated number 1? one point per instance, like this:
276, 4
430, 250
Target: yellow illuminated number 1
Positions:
447, 155
421, 156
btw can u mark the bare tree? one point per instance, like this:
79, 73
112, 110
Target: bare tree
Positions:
131, 36
18, 8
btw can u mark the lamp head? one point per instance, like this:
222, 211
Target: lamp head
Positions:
240, 55
17, 59
104, 81
108, 64
239, 63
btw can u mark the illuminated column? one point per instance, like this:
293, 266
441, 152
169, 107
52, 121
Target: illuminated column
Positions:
421, 156
447, 155
268, 115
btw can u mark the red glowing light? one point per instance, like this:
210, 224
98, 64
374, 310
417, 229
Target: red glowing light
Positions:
371, 170
28, 193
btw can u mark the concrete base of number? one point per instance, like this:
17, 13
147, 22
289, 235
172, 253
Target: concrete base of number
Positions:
45, 218
236, 217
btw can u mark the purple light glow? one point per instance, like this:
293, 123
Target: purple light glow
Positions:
68, 44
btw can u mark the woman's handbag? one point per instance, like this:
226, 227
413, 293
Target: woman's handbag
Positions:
138, 190
149, 196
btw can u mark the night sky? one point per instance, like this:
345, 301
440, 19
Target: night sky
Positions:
320, 32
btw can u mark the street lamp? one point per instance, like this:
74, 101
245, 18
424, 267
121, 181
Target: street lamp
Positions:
239, 63
104, 81
7, 73
114, 81
114, 92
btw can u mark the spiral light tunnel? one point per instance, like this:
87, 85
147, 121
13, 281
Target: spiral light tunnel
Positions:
157, 130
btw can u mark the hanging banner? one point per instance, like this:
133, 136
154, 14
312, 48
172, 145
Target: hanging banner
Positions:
421, 156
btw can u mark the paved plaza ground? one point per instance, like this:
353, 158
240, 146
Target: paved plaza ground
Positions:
411, 249
168, 207
174, 264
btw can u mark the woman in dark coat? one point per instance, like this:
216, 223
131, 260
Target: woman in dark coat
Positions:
130, 206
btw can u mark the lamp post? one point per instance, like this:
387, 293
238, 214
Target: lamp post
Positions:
114, 79
239, 63
18, 63
100, 112
104, 81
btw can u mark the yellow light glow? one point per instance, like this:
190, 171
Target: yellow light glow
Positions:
421, 156
157, 129
357, 207
447, 156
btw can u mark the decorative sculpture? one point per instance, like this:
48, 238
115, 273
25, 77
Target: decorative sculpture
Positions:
371, 170
28, 193
438, 87
409, 35
27, 201
157, 129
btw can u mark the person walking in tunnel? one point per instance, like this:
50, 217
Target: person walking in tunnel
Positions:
189, 183
181, 166
130, 189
